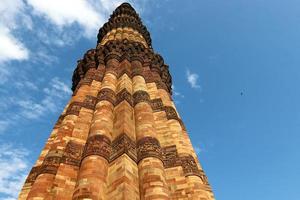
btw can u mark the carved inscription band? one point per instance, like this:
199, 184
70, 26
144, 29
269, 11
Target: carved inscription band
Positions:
97, 145
109, 95
70, 156
102, 146
149, 147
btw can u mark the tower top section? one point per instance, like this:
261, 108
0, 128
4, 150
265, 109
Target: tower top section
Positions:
125, 16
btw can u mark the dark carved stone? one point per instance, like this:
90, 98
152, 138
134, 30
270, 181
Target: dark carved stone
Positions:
129, 50
123, 144
59, 121
140, 96
124, 95
170, 157
74, 108
51, 162
157, 105
72, 154
98, 145
189, 166
149, 147
89, 102
108, 95
171, 112
34, 172
203, 177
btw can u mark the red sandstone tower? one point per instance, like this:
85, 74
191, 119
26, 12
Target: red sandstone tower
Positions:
120, 136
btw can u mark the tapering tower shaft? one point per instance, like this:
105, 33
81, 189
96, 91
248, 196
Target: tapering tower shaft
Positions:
120, 136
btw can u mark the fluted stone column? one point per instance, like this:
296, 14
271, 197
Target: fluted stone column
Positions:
153, 183
91, 182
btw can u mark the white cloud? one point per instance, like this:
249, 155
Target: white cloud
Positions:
192, 79
12, 15
64, 13
13, 170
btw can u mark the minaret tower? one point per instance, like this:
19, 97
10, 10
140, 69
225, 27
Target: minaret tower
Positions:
120, 136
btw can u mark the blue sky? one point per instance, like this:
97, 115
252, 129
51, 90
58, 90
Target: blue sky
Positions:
217, 50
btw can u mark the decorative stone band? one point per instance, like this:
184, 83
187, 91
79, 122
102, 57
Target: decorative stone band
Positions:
187, 162
124, 95
97, 145
148, 147
140, 96
107, 95
34, 172
51, 162
102, 146
72, 154
123, 144
88, 103
87, 78
121, 50
49, 166
59, 121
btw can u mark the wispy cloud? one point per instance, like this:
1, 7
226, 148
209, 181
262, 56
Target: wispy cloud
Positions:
4, 125
33, 105
13, 170
192, 79
53, 94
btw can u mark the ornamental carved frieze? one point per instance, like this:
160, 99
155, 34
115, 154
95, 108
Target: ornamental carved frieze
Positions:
157, 105
59, 121
34, 172
171, 112
123, 144
51, 162
187, 162
140, 96
107, 95
189, 166
124, 95
170, 157
74, 108
89, 102
129, 50
148, 147
98, 145
203, 177
72, 153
